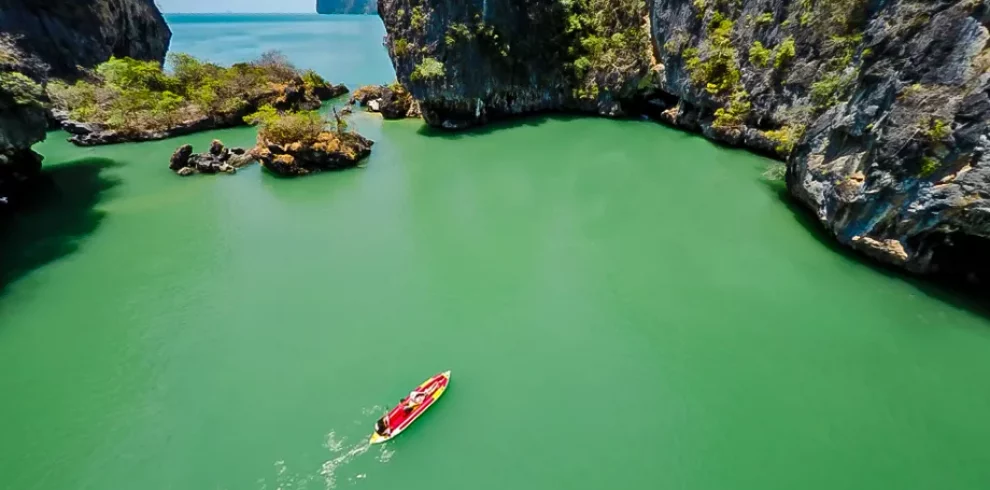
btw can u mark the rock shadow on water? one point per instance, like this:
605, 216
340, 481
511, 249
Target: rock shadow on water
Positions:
61, 215
947, 289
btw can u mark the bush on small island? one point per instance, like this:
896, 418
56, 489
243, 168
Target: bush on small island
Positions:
127, 99
293, 143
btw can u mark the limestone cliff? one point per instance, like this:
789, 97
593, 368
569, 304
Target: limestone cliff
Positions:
67, 34
346, 6
56, 38
881, 107
22, 119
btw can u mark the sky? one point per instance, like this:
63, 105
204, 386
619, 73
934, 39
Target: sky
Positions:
212, 6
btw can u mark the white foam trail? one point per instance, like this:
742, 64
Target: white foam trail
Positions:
374, 410
330, 468
341, 454
284, 480
384, 455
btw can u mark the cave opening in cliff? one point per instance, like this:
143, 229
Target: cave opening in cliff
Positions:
963, 259
650, 105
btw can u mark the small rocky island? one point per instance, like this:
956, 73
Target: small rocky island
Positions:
290, 144
301, 143
219, 159
391, 101
132, 100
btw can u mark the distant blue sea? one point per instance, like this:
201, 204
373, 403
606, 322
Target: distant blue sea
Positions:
342, 48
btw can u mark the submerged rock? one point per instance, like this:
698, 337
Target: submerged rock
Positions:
218, 159
881, 107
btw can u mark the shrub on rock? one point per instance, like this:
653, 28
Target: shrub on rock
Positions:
300, 143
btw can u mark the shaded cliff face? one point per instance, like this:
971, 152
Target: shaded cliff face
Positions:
472, 61
23, 120
70, 33
347, 6
880, 106
884, 103
54, 38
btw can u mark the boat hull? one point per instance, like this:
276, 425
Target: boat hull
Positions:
401, 417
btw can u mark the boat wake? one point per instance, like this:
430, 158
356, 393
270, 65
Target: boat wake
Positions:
343, 454
332, 472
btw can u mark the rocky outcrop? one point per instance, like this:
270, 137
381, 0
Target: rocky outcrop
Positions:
92, 134
391, 101
332, 150
503, 58
22, 122
346, 6
218, 159
329, 91
293, 96
880, 106
71, 34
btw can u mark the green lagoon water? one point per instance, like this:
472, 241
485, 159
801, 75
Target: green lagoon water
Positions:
623, 306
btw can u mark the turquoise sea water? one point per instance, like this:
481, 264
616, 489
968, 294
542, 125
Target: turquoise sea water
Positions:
623, 306
345, 48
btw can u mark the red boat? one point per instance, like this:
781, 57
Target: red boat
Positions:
410, 408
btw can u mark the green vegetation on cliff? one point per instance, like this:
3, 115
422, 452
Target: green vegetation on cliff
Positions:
831, 88
937, 130
610, 43
714, 66
929, 165
129, 95
785, 138
830, 17
15, 66
759, 56
428, 69
734, 114
784, 53
21, 89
